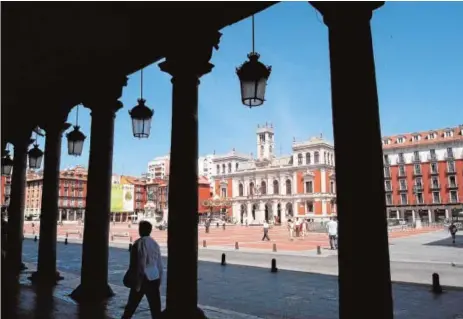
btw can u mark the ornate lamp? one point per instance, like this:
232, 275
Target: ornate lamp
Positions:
141, 116
253, 77
35, 156
76, 138
7, 164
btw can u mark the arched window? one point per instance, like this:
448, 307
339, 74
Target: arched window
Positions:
326, 157
307, 158
240, 190
316, 157
332, 159
218, 169
299, 159
309, 207
223, 168
263, 188
288, 187
236, 166
251, 188
276, 188
229, 167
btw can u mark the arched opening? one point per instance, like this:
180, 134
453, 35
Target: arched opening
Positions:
229, 167
251, 188
242, 213
268, 212
316, 158
288, 187
299, 159
240, 190
279, 212
254, 207
263, 188
276, 188
289, 209
307, 158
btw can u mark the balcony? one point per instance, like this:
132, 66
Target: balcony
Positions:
449, 156
400, 160
453, 200
402, 173
452, 186
403, 188
432, 158
450, 169
417, 188
387, 174
417, 172
388, 189
416, 159
433, 171
386, 161
434, 186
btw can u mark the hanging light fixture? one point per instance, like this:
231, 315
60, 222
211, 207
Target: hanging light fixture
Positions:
7, 163
76, 138
141, 115
35, 155
253, 77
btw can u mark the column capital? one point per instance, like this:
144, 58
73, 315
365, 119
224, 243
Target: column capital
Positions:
191, 54
341, 12
102, 106
104, 89
56, 123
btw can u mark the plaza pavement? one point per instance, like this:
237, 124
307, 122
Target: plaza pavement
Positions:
236, 291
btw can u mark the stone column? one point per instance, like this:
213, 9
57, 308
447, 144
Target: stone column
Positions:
186, 61
46, 264
356, 113
430, 216
94, 272
17, 201
447, 215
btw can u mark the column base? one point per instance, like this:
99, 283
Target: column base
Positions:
22, 267
179, 313
45, 279
91, 294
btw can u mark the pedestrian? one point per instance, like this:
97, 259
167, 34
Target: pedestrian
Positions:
223, 225
290, 229
145, 273
207, 224
304, 227
297, 226
332, 227
453, 231
266, 227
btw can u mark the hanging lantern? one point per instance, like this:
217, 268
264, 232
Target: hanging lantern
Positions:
7, 164
75, 141
141, 115
141, 119
76, 138
35, 157
253, 76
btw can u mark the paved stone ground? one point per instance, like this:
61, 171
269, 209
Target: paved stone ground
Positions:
256, 291
247, 237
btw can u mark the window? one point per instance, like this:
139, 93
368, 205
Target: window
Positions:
325, 156
229, 167
309, 205
403, 199
432, 135
240, 190
251, 188
451, 166
387, 186
316, 157
309, 187
400, 140
449, 152
416, 138
299, 159
436, 197
237, 166
389, 199
452, 181
218, 169
387, 161
387, 172
448, 133
332, 187
270, 149
263, 188
223, 168
403, 184
332, 159
419, 182
307, 158
262, 137
401, 158
276, 189
435, 182
453, 196
419, 198
434, 168
224, 192
402, 170
417, 169
262, 150
288, 187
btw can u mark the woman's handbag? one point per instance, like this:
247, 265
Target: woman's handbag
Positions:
130, 278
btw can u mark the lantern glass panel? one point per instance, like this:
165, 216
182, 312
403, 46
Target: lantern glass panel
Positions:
75, 147
7, 165
141, 127
253, 92
35, 162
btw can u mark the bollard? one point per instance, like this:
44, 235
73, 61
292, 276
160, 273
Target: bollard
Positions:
130, 247
237, 246
274, 265
35, 238
217, 225
319, 250
274, 247
223, 263
204, 244
436, 287
65, 241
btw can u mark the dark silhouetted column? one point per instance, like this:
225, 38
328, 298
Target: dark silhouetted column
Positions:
186, 65
16, 208
364, 270
46, 266
94, 273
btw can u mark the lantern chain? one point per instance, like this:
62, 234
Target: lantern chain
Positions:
141, 84
253, 41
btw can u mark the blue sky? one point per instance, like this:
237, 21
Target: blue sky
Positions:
419, 62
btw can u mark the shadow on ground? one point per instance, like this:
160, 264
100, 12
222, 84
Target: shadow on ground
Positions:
447, 242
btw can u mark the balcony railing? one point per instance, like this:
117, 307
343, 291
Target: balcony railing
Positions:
418, 188
400, 160
434, 186
416, 159
417, 172
452, 185
403, 188
432, 157
449, 156
388, 189
451, 169
453, 200
402, 173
